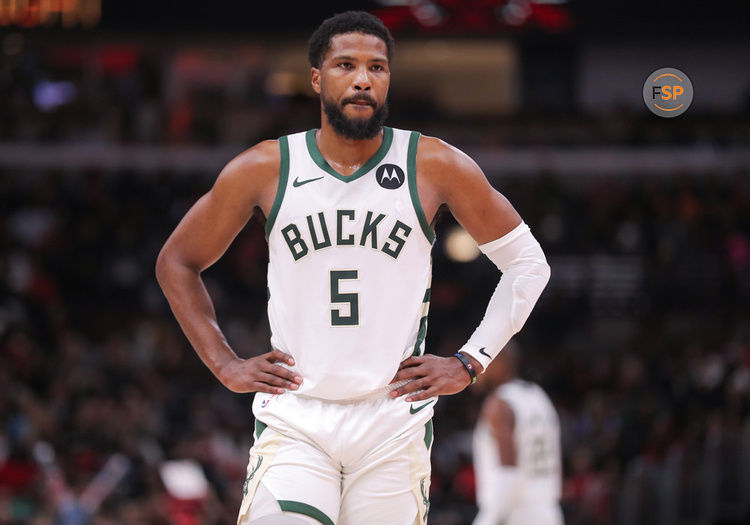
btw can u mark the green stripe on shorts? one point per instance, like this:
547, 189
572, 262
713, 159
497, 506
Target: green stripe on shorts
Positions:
428, 434
307, 510
260, 426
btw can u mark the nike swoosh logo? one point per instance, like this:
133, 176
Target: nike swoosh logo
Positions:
297, 183
481, 351
413, 410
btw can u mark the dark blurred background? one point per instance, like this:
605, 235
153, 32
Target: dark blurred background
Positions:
116, 116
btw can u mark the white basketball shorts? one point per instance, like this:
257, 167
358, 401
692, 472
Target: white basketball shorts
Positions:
341, 462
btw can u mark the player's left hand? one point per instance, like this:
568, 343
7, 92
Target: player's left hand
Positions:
433, 375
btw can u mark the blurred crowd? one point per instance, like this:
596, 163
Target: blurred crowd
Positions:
641, 338
159, 93
648, 364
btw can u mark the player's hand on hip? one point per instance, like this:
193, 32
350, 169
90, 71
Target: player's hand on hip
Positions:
432, 375
261, 374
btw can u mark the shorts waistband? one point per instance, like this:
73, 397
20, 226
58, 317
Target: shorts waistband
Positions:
375, 394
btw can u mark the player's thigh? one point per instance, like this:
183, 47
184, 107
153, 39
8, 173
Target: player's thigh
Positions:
298, 476
392, 485
265, 510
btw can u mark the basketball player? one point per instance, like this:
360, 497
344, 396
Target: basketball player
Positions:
516, 450
345, 398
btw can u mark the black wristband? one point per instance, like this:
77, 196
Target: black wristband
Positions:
468, 366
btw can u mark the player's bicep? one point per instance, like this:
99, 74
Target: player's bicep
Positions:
210, 226
207, 230
481, 209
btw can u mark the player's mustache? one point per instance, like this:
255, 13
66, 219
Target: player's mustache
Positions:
359, 98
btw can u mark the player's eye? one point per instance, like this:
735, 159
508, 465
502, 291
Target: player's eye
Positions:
346, 65
377, 67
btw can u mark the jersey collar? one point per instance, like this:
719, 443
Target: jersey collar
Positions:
317, 157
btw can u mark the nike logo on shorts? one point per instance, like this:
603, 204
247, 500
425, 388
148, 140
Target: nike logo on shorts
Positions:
481, 351
413, 410
297, 183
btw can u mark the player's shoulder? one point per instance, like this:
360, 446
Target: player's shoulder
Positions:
522, 393
443, 163
497, 410
517, 388
436, 151
264, 155
259, 164
251, 176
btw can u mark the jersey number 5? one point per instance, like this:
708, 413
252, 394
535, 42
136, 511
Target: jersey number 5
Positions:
338, 297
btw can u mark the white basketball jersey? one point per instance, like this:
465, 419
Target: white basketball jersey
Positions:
349, 269
537, 440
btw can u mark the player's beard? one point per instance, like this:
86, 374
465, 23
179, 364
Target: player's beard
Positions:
355, 128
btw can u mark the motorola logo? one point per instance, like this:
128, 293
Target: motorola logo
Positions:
390, 176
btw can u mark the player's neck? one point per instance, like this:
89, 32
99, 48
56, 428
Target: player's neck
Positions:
345, 155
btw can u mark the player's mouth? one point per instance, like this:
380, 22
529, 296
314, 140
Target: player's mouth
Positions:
360, 102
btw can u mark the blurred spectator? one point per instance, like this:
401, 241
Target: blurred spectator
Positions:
650, 370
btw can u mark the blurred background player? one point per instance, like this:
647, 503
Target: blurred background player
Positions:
517, 457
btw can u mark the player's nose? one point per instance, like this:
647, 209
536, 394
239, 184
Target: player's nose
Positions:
362, 80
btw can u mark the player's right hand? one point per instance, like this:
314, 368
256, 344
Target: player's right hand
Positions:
260, 374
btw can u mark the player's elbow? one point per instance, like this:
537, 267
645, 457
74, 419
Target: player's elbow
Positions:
545, 272
534, 267
539, 274
166, 264
172, 266
162, 267
537, 266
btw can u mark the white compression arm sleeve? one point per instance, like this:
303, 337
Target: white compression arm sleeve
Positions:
525, 274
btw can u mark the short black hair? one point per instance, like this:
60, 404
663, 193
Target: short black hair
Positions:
347, 22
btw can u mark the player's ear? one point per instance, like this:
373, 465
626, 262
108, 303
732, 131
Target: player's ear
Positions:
315, 81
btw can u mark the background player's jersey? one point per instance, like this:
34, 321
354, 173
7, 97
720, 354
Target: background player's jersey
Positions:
349, 269
537, 440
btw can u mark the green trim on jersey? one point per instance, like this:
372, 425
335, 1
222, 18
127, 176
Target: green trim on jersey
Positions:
317, 157
422, 332
283, 177
303, 508
411, 175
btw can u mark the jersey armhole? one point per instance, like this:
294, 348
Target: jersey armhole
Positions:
283, 177
411, 175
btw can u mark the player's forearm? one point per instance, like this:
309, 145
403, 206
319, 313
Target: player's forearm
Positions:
525, 275
194, 311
